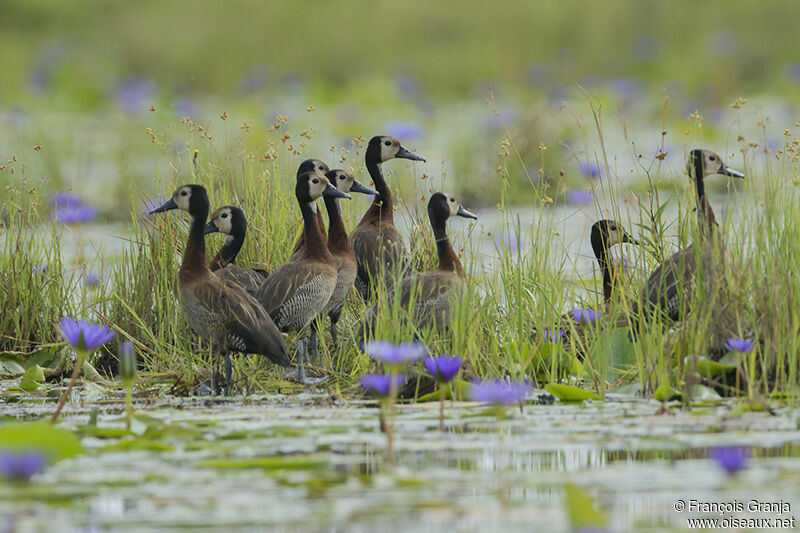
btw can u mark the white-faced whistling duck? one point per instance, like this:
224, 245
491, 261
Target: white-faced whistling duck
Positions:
432, 291
231, 221
307, 166
217, 310
299, 290
669, 287
378, 245
339, 245
604, 235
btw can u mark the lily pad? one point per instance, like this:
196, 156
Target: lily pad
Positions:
707, 368
582, 510
568, 393
32, 379
56, 443
667, 393
267, 463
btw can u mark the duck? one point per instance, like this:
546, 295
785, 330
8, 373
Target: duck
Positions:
307, 166
434, 290
669, 287
296, 292
218, 310
605, 234
378, 245
231, 221
339, 246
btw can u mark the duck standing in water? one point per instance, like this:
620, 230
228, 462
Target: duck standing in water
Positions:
219, 311
231, 221
432, 292
378, 246
295, 293
670, 286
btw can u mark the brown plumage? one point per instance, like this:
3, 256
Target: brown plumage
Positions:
298, 291
670, 286
230, 220
432, 292
217, 310
380, 252
307, 166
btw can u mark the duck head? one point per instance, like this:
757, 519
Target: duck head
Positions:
382, 148
229, 220
607, 233
345, 182
312, 164
190, 198
442, 206
312, 185
704, 163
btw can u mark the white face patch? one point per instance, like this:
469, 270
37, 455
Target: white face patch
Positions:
453, 204
316, 185
388, 151
224, 221
344, 181
181, 198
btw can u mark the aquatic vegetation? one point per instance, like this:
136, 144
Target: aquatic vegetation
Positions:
443, 368
394, 355
740, 345
553, 335
730, 458
499, 392
585, 317
128, 364
381, 384
85, 337
21, 465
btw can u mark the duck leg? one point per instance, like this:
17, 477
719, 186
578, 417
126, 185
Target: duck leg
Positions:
228, 374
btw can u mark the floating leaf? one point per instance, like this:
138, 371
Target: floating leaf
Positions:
32, 379
582, 510
291, 462
11, 365
568, 393
56, 443
666, 393
703, 393
707, 368
460, 387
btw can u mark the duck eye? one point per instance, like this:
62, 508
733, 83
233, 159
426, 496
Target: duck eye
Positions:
184, 193
341, 177
387, 143
315, 180
321, 168
224, 215
712, 158
452, 199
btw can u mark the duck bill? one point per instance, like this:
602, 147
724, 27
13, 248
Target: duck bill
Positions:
466, 213
627, 238
405, 153
363, 189
333, 192
732, 173
211, 227
169, 205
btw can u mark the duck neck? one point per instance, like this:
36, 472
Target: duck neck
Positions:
230, 249
337, 233
448, 260
601, 253
315, 240
194, 256
382, 207
704, 211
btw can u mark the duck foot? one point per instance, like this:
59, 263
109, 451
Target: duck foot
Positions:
298, 374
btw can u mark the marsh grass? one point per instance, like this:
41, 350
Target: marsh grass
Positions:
516, 291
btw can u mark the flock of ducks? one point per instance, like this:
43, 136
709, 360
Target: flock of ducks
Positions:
245, 310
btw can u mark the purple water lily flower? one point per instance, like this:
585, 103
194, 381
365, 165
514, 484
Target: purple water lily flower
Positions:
585, 317
40, 268
22, 465
580, 196
590, 169
407, 131
74, 214
380, 384
134, 95
730, 458
91, 279
739, 345
443, 367
499, 392
554, 336
84, 335
391, 354
65, 199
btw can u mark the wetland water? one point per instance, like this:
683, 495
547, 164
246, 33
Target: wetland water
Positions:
307, 462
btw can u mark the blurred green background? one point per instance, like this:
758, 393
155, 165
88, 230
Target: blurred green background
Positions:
714, 50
